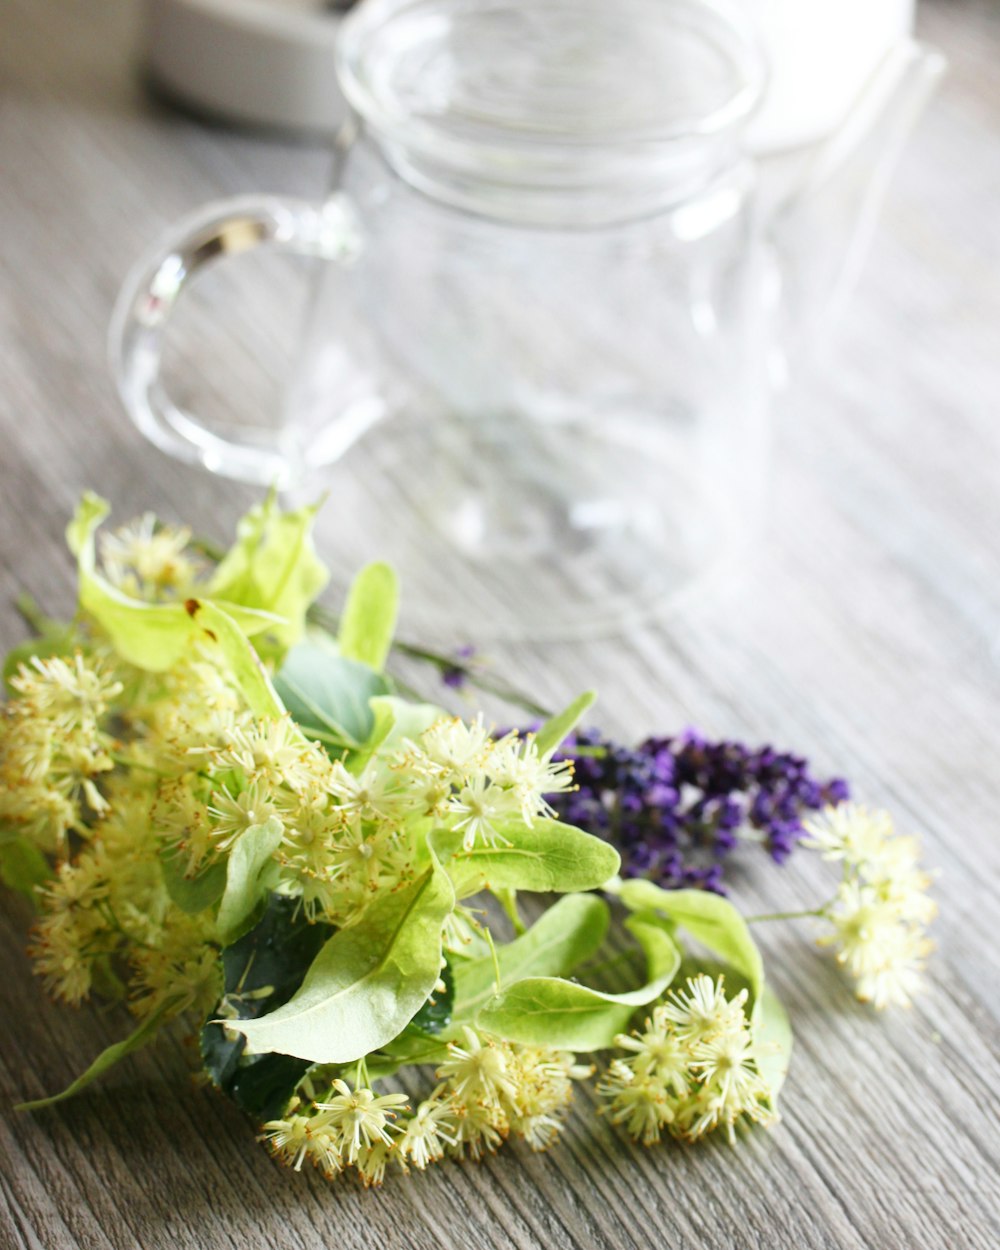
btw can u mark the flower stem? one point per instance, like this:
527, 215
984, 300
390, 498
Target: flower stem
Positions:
786, 915
442, 661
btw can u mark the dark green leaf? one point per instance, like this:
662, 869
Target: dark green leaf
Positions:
435, 1014
261, 971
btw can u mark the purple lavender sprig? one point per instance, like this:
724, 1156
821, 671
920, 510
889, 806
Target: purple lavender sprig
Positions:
676, 808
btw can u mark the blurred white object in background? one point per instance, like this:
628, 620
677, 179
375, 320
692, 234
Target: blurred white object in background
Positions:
821, 53
270, 62
254, 62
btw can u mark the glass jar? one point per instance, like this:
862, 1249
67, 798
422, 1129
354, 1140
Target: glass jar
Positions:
537, 351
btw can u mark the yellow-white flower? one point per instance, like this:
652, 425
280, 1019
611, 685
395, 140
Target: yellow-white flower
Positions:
882, 951
289, 1139
233, 814
882, 905
848, 832
516, 762
358, 1118
702, 1010
426, 1133
72, 694
478, 1072
480, 807
638, 1102
145, 559
459, 747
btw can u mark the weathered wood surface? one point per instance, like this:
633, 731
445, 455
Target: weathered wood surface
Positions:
866, 634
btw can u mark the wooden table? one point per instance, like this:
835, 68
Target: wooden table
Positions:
866, 635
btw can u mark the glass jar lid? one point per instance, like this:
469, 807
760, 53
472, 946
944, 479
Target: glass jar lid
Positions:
568, 91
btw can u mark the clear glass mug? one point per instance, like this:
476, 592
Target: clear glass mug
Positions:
538, 350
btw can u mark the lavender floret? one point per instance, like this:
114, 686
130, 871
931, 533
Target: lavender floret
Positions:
677, 808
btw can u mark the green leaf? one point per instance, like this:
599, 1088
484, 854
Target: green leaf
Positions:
273, 567
52, 638
709, 919
435, 1014
556, 730
262, 970
239, 656
368, 981
546, 856
328, 696
397, 720
192, 894
152, 636
368, 621
263, 1085
23, 867
772, 1040
249, 873
550, 1011
140, 1036
559, 941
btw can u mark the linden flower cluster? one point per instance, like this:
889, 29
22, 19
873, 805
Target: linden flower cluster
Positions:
127, 777
881, 909
192, 774
488, 1090
691, 1069
64, 788
345, 836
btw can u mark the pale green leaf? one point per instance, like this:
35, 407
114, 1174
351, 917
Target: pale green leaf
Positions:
237, 653
368, 621
559, 941
249, 873
328, 696
709, 919
556, 730
551, 1011
23, 867
273, 567
546, 856
394, 720
367, 982
397, 720
192, 894
138, 1038
152, 636
772, 1040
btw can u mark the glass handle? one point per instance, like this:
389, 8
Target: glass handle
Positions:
220, 229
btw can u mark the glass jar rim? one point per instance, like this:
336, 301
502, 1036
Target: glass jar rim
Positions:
727, 29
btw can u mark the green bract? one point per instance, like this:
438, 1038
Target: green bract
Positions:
709, 919
545, 856
551, 1011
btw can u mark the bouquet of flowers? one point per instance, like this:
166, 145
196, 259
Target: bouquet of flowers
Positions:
229, 814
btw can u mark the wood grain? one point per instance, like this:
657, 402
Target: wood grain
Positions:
865, 632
